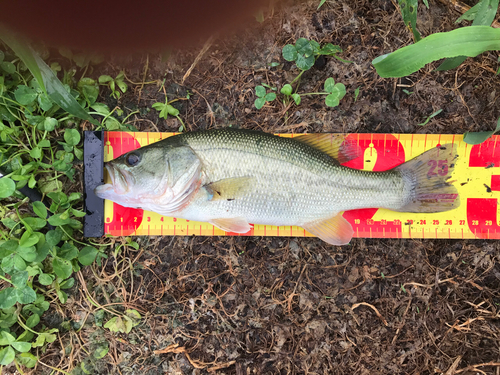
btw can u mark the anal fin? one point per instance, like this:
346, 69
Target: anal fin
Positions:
335, 230
235, 225
229, 188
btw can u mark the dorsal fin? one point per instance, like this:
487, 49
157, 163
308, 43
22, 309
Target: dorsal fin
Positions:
334, 145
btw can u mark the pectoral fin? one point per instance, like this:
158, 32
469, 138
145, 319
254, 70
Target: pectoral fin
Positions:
335, 145
229, 188
335, 231
236, 225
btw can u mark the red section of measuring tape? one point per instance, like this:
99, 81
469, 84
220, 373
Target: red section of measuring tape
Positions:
486, 154
126, 220
482, 217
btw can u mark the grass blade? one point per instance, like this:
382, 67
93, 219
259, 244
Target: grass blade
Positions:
475, 138
467, 41
57, 92
22, 50
409, 13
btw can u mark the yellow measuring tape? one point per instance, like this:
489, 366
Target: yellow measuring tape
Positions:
476, 176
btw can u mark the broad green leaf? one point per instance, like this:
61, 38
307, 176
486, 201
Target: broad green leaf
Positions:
259, 103
50, 124
33, 320
26, 295
63, 297
470, 14
105, 79
102, 109
6, 338
287, 89
19, 279
40, 210
339, 90
332, 100
329, 84
57, 92
45, 279
304, 47
409, 13
19, 263
305, 63
62, 267
27, 253
72, 137
21, 346
53, 237
101, 351
67, 251
467, 41
485, 16
8, 67
36, 152
270, 97
330, 49
172, 110
260, 91
35, 222
27, 359
7, 355
289, 52
475, 138
25, 95
59, 219
112, 123
66, 284
297, 99
87, 255
28, 239
7, 187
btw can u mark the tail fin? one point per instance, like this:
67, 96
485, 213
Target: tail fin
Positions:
425, 177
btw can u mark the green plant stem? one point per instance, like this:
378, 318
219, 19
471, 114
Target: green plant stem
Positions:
315, 93
298, 77
130, 114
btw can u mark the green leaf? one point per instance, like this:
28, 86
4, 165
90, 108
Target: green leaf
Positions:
297, 99
72, 137
8, 67
119, 324
40, 210
329, 84
6, 338
45, 279
172, 110
112, 123
330, 49
21, 346
45, 102
49, 124
68, 251
158, 106
304, 47
289, 52
28, 239
485, 16
287, 89
27, 359
7, 187
105, 79
102, 109
339, 90
62, 267
63, 297
36, 153
470, 14
87, 255
66, 284
25, 95
305, 63
57, 92
321, 4
7, 355
259, 103
27, 253
19, 279
431, 116
332, 100
26, 295
260, 91
59, 219
356, 93
53, 237
476, 138
101, 351
35, 223
33, 320
409, 13
270, 97
467, 41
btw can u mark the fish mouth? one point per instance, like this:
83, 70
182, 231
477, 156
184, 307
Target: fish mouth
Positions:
121, 181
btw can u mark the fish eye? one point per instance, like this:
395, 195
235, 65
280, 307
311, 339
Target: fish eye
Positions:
132, 159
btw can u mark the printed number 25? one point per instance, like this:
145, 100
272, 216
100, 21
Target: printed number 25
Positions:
442, 166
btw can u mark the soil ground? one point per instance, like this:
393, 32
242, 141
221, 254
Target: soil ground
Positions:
235, 305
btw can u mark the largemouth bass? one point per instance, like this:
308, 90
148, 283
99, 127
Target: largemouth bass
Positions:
232, 178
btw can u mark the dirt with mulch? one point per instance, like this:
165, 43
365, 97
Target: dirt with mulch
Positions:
253, 305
